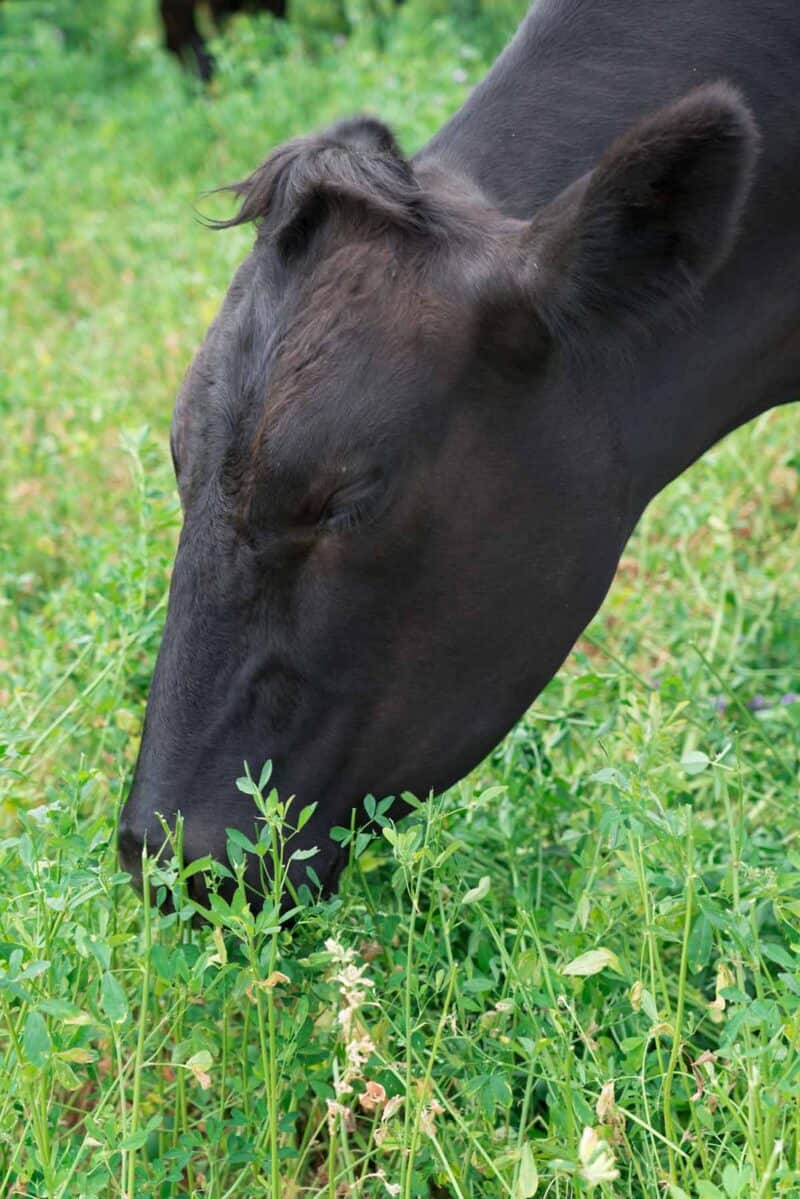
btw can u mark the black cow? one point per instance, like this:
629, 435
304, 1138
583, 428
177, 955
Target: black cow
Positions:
440, 393
183, 37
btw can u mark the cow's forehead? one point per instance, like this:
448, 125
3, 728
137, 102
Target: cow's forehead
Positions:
359, 321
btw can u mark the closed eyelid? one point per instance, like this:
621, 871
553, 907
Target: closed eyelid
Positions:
354, 501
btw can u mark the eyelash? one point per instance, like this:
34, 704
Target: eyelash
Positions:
348, 519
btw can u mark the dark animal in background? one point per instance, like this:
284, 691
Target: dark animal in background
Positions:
182, 35
441, 392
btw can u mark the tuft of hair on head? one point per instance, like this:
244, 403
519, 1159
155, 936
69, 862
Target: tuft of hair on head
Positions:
354, 166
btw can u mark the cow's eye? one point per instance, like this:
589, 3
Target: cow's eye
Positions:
353, 503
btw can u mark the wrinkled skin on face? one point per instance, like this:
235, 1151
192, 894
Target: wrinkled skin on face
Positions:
402, 472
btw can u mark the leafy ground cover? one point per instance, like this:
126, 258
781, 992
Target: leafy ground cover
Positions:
579, 971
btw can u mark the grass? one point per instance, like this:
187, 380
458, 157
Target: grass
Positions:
599, 929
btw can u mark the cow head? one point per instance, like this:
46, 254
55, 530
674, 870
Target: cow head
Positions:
403, 477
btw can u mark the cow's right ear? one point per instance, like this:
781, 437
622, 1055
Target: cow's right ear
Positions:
647, 227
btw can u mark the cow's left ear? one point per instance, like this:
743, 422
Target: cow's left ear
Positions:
646, 228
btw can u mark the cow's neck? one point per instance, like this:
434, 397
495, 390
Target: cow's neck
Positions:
576, 75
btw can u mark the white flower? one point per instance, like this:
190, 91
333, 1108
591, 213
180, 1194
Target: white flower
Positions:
352, 977
338, 1110
393, 1188
359, 1051
338, 952
428, 1116
597, 1160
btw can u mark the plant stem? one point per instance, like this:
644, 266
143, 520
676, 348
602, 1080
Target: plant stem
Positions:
677, 1022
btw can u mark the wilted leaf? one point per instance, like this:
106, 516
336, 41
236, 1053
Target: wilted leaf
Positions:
479, 892
219, 943
77, 1055
272, 980
126, 720
200, 1063
528, 1177
592, 963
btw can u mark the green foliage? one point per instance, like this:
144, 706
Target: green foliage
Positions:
612, 898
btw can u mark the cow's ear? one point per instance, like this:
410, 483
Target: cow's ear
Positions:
644, 230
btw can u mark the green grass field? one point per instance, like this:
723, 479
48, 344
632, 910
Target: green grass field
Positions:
578, 972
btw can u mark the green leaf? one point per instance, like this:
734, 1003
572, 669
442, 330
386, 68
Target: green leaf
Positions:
60, 1009
607, 775
202, 1060
776, 953
496, 1091
528, 1176
236, 837
264, 777
695, 761
34, 969
362, 841
36, 1039
301, 855
735, 1181
707, 1190
649, 1006
196, 866
305, 815
112, 999
134, 1141
477, 986
699, 947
